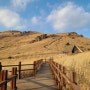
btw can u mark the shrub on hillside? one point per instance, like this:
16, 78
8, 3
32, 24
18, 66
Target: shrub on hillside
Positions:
67, 43
10, 57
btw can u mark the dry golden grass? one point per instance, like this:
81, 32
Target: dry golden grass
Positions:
15, 47
18, 46
79, 63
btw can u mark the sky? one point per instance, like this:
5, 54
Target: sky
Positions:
46, 16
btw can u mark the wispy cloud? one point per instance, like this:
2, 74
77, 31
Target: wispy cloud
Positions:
69, 16
34, 20
12, 20
20, 4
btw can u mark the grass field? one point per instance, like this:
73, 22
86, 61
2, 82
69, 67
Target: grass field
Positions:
79, 63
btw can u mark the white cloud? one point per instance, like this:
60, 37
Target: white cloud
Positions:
9, 18
20, 3
69, 16
37, 21
34, 20
12, 20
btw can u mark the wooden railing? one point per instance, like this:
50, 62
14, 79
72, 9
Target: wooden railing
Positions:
4, 79
35, 66
63, 81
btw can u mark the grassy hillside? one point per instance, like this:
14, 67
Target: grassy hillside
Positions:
19, 45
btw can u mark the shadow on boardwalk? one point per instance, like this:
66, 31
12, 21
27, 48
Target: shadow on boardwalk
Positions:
42, 81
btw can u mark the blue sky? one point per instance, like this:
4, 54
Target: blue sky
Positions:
46, 16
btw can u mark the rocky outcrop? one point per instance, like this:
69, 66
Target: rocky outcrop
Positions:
74, 34
39, 38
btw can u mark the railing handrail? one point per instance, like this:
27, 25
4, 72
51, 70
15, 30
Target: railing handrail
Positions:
8, 80
16, 65
35, 65
72, 84
4, 79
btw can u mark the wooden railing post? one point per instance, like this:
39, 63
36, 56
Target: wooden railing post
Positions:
19, 70
64, 81
5, 76
0, 66
13, 81
59, 85
56, 73
15, 73
73, 76
64, 72
1, 79
34, 67
73, 79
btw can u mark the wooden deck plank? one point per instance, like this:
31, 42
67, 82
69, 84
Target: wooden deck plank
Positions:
42, 81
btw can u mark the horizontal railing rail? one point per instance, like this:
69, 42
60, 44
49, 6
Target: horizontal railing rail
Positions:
15, 65
35, 66
4, 79
63, 81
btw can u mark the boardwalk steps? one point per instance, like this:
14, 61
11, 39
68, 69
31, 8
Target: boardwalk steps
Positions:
42, 81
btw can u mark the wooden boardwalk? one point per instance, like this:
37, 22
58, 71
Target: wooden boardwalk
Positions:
42, 81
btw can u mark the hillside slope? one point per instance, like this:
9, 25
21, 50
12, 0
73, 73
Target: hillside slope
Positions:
23, 45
